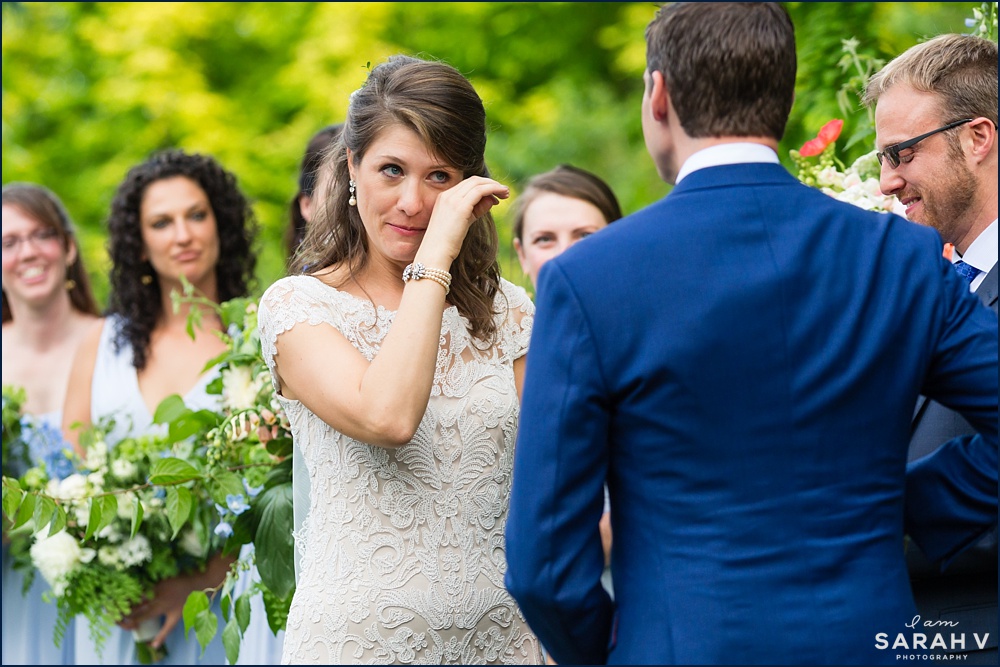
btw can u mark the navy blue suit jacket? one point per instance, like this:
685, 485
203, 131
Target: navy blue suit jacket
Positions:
741, 361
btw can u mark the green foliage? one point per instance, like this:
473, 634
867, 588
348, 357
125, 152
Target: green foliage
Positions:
15, 450
103, 596
91, 89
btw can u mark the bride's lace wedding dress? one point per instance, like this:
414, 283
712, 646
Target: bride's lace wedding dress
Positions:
402, 550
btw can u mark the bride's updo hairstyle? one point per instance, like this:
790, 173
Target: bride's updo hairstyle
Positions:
434, 100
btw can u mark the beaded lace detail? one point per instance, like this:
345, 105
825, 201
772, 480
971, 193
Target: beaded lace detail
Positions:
402, 551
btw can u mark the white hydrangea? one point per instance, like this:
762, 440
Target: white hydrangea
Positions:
97, 455
109, 556
136, 551
191, 543
56, 557
830, 178
124, 470
110, 533
126, 504
72, 488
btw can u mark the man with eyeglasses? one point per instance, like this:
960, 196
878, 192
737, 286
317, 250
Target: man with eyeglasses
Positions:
944, 92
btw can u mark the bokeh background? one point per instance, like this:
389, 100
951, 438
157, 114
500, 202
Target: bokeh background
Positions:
90, 89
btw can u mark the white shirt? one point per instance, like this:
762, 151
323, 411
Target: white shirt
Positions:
734, 153
982, 254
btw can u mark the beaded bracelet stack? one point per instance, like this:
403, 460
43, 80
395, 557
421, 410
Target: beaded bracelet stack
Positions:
418, 271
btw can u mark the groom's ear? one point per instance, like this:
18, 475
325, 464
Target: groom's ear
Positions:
659, 96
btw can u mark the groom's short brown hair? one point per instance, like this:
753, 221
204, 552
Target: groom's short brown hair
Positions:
729, 67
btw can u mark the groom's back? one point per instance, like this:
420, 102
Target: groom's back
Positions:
761, 384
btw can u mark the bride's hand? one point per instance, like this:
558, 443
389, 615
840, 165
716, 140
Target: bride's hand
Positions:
170, 595
454, 211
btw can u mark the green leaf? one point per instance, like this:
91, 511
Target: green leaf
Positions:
280, 473
172, 471
244, 531
206, 624
277, 609
279, 447
25, 511
233, 311
44, 509
243, 611
169, 409
231, 641
11, 501
214, 361
183, 427
58, 521
179, 504
223, 483
103, 510
137, 514
274, 543
197, 602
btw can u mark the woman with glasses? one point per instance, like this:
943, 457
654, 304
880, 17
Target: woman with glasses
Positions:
47, 310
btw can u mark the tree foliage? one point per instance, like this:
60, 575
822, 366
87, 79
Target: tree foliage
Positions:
90, 89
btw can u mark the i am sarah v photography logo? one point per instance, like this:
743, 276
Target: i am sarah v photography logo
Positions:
931, 640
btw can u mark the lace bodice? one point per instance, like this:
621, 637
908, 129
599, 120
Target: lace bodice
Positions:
402, 550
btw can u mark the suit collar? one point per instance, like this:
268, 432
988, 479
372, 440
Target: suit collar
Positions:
736, 175
729, 153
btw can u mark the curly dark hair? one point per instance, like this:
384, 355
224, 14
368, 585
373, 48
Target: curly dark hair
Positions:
140, 305
438, 103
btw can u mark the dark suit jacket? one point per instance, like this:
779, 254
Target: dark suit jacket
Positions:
966, 592
740, 361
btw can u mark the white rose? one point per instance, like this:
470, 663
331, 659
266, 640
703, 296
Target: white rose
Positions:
239, 387
55, 557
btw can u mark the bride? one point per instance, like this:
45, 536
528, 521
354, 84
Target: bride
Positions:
399, 366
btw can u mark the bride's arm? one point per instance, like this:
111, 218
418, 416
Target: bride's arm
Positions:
382, 402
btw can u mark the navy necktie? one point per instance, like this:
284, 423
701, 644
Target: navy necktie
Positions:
966, 271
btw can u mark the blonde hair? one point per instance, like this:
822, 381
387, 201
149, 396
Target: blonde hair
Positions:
960, 69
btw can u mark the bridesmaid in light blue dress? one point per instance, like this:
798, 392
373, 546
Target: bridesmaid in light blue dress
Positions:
47, 309
29, 621
176, 218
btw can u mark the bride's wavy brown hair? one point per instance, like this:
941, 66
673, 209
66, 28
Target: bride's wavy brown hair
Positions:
434, 100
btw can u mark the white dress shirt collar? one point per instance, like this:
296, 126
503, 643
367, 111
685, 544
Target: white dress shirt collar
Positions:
982, 254
734, 153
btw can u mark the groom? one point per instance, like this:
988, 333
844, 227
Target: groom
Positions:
748, 400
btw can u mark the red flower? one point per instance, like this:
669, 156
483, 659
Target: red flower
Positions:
827, 135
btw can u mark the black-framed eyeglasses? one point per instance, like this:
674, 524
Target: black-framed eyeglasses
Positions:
891, 153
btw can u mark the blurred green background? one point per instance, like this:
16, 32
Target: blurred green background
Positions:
90, 89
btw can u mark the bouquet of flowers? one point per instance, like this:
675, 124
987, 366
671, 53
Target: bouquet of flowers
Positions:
250, 448
858, 184
123, 519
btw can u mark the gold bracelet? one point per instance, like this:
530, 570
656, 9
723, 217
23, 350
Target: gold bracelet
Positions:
417, 271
